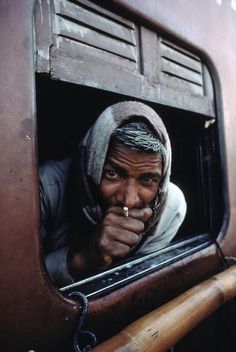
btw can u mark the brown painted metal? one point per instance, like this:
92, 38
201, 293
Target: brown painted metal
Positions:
123, 306
159, 330
33, 315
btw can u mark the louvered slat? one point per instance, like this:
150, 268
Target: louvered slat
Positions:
181, 70
80, 23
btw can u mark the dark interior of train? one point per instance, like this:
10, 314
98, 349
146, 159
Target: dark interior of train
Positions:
65, 111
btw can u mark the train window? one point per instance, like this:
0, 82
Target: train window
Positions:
195, 150
73, 88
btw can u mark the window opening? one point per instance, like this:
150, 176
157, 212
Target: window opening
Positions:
65, 112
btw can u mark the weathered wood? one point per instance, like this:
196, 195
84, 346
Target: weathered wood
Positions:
162, 328
180, 84
81, 55
208, 83
90, 5
150, 54
185, 100
182, 57
71, 68
182, 72
96, 39
43, 35
77, 63
95, 20
86, 38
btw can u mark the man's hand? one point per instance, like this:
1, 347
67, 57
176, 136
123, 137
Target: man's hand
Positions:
114, 238
118, 234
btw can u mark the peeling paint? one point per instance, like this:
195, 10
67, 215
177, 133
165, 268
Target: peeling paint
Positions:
83, 32
209, 122
56, 25
63, 2
41, 11
71, 27
43, 54
27, 138
57, 42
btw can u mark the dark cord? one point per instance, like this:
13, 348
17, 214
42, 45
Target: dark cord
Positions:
226, 265
83, 340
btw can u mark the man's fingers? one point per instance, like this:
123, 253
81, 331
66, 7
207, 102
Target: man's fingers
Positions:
107, 259
115, 210
142, 214
147, 214
116, 250
125, 223
117, 234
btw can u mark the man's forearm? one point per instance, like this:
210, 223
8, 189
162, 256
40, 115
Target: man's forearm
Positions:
56, 264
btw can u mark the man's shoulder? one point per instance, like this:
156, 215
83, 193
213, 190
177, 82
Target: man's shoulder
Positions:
54, 172
175, 199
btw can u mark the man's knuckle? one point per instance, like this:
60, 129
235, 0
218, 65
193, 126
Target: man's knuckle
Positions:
134, 238
103, 242
141, 225
106, 230
121, 252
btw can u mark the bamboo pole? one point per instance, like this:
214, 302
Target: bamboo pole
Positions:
162, 328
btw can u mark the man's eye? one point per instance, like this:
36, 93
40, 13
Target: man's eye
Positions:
148, 180
111, 174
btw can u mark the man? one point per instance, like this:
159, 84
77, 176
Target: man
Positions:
114, 199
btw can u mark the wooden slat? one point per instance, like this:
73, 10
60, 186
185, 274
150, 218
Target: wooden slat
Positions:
104, 12
80, 53
208, 83
86, 35
180, 84
181, 58
43, 35
159, 330
77, 63
150, 55
94, 20
181, 72
180, 48
184, 100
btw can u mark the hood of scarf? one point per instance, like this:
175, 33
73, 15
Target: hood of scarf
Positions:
93, 150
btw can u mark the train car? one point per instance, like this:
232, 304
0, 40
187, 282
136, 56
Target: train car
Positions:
62, 62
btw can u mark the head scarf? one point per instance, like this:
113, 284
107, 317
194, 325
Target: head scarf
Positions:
93, 150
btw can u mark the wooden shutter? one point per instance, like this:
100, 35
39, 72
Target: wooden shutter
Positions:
83, 43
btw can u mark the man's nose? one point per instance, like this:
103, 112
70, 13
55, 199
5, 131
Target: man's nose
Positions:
131, 197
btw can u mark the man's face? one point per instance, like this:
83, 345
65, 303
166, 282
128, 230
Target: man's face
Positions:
130, 178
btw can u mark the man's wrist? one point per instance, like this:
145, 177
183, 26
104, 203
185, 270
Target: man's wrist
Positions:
80, 264
77, 264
